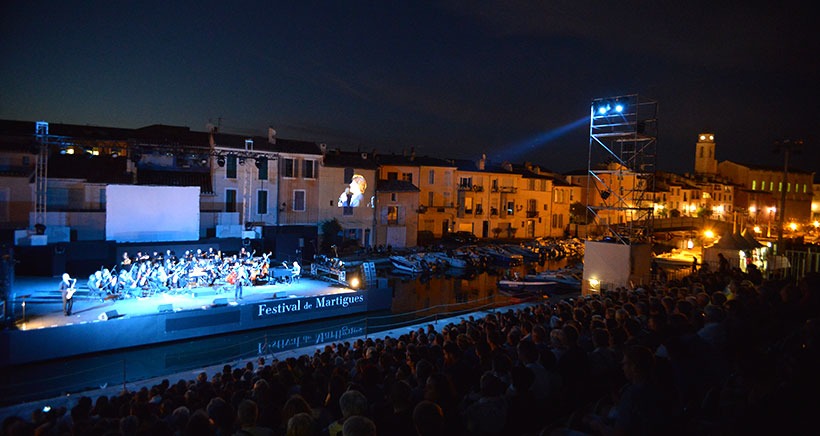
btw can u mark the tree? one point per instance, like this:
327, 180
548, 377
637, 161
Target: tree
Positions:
579, 214
331, 234
705, 212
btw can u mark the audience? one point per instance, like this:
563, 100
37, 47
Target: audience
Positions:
716, 352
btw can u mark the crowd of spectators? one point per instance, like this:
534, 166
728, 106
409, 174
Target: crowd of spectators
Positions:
714, 353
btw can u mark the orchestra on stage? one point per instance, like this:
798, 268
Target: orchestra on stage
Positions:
146, 274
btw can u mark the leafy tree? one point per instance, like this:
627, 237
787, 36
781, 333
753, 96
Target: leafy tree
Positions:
331, 234
579, 214
705, 212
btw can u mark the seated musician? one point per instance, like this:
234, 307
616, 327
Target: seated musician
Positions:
95, 284
109, 281
296, 271
126, 261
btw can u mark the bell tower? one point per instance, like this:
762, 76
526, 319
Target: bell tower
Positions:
705, 161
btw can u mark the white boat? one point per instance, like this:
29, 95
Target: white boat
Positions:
407, 264
564, 279
525, 285
452, 261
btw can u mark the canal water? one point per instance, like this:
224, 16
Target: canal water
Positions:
416, 299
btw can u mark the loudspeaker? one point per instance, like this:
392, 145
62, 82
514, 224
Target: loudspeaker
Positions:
220, 302
280, 295
162, 308
105, 316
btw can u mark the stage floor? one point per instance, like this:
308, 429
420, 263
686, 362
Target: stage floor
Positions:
36, 301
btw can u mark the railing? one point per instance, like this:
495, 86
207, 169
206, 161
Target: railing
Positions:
532, 214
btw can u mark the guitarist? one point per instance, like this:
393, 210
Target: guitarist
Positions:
67, 292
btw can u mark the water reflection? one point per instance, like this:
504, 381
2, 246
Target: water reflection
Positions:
418, 298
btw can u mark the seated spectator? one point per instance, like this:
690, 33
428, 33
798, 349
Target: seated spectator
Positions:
428, 419
352, 403
246, 415
359, 426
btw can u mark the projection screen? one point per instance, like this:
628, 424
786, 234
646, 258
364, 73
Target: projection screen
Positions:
136, 213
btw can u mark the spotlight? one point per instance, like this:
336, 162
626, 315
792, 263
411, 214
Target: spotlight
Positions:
220, 161
619, 107
354, 283
603, 109
261, 162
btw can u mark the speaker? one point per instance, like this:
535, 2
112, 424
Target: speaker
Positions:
105, 316
162, 308
277, 295
220, 302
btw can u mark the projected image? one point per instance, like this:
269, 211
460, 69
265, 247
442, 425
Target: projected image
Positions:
354, 193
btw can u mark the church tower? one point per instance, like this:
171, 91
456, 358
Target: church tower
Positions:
705, 161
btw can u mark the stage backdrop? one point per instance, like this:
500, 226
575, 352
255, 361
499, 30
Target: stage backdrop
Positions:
136, 213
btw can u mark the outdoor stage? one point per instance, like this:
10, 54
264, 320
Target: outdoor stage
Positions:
41, 332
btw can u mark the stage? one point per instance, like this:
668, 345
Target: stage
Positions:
40, 331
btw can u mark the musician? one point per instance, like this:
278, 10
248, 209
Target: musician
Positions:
126, 261
67, 293
296, 271
240, 279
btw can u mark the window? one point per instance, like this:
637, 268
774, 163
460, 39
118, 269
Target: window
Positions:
299, 200
754, 185
309, 169
430, 196
407, 177
230, 169
391, 175
465, 182
393, 215
393, 196
230, 200
4, 204
261, 202
288, 167
262, 166
510, 207
779, 186
431, 177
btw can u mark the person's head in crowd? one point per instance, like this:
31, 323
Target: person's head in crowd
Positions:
527, 352
440, 389
428, 418
600, 338
247, 413
301, 424
353, 403
359, 426
638, 363
220, 412
571, 336
199, 424
294, 405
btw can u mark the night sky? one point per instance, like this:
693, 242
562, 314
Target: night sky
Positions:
452, 78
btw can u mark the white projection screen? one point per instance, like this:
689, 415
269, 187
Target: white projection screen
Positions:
135, 213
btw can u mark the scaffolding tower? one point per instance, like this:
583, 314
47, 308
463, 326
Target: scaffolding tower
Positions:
41, 173
623, 136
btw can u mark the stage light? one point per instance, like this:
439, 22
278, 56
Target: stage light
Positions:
220, 161
619, 107
603, 109
354, 283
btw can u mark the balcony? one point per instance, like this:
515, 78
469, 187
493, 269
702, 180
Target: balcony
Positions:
532, 214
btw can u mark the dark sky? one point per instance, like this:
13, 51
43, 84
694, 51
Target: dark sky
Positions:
451, 78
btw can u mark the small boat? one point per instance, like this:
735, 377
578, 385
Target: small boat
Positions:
528, 285
408, 265
499, 256
563, 279
452, 261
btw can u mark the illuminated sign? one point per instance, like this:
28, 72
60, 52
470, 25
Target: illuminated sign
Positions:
308, 304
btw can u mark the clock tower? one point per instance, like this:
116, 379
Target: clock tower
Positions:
705, 161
